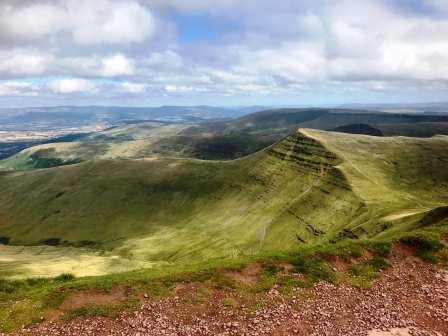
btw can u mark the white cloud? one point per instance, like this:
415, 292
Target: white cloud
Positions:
12, 88
367, 43
165, 59
133, 88
288, 46
117, 65
106, 21
20, 62
184, 89
72, 85
31, 22
87, 22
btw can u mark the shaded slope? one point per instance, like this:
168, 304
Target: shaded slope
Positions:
224, 140
109, 201
311, 186
421, 129
359, 129
392, 175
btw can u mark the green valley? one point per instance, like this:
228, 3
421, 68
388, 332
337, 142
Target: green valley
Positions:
310, 187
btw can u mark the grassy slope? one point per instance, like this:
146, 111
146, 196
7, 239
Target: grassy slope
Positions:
171, 210
422, 129
130, 141
221, 140
397, 176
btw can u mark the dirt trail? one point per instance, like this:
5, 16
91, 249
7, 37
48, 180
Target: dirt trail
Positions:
410, 299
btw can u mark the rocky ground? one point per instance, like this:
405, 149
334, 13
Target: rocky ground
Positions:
410, 298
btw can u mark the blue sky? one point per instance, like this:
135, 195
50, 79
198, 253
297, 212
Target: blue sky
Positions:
200, 27
222, 52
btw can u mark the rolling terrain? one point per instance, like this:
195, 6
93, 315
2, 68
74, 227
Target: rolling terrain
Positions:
217, 140
310, 187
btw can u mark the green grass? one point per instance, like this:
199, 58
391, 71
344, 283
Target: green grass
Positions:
312, 187
315, 268
363, 274
23, 302
426, 244
165, 211
152, 223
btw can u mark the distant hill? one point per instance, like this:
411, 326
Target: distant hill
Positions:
283, 120
218, 140
359, 129
418, 108
44, 118
313, 186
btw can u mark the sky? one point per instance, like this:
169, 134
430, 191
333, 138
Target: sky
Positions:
222, 52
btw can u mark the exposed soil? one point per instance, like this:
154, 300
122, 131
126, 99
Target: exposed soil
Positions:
340, 264
410, 299
81, 299
247, 275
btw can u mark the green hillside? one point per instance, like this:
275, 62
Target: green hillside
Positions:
222, 140
312, 186
129, 141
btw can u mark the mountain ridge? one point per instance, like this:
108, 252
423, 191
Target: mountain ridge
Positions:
312, 186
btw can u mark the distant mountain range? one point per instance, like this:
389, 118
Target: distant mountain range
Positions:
211, 139
46, 118
425, 108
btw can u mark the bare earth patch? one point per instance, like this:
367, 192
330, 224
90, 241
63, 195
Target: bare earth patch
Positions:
248, 275
82, 299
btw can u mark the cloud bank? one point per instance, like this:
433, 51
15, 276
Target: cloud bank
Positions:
223, 52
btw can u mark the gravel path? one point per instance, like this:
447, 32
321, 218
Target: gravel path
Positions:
411, 298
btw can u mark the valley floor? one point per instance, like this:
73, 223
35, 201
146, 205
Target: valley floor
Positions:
410, 298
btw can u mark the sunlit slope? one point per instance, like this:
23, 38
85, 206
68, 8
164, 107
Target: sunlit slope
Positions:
311, 186
219, 140
399, 177
110, 201
125, 142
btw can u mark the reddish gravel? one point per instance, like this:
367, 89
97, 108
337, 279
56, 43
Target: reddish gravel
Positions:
411, 298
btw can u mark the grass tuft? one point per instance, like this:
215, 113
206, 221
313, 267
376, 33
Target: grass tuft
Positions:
65, 277
426, 244
346, 250
380, 248
316, 269
363, 274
